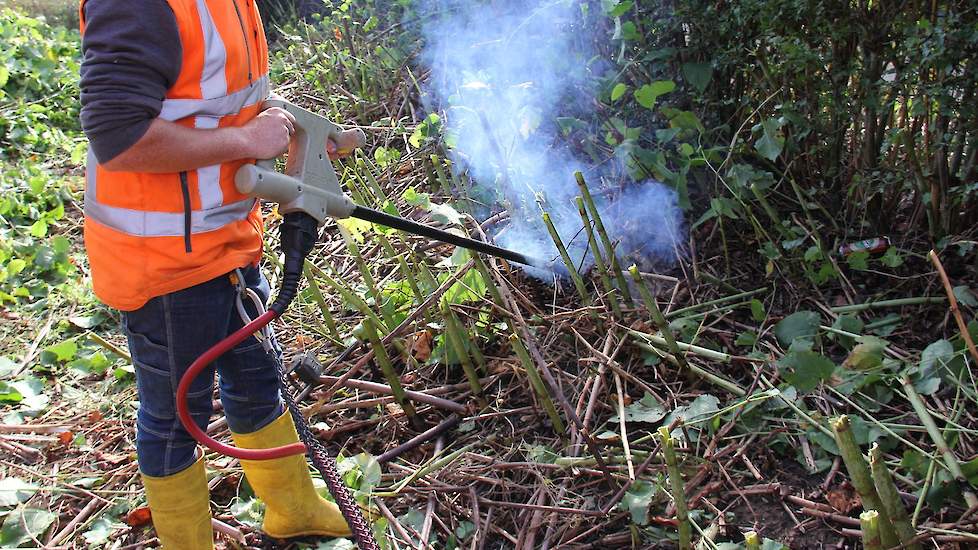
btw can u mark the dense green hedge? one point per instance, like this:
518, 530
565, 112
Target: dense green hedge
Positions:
870, 104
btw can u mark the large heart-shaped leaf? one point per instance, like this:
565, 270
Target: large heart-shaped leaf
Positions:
649, 93
804, 369
801, 324
637, 501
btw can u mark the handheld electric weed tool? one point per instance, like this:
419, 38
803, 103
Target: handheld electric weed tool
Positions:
307, 194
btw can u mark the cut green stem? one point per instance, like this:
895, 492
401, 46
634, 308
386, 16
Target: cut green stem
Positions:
890, 499
459, 328
440, 171
869, 522
368, 278
723, 300
950, 460
658, 320
609, 249
537, 383
317, 294
571, 268
899, 302
384, 361
598, 259
676, 486
861, 478
457, 343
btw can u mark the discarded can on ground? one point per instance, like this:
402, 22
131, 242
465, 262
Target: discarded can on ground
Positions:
873, 246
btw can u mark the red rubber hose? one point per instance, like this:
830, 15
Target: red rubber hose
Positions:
200, 364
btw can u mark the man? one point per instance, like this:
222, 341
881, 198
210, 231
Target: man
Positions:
171, 103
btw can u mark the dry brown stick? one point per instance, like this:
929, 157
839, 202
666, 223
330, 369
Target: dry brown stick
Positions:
375, 387
232, 532
24, 452
54, 480
67, 530
856, 534
430, 508
419, 439
821, 514
394, 523
953, 305
560, 509
34, 428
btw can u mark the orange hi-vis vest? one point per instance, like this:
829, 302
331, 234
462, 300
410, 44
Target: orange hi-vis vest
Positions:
151, 234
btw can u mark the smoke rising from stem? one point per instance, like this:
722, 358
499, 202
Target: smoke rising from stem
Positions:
503, 73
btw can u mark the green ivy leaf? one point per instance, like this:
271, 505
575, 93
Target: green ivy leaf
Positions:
935, 357
369, 470
648, 409
64, 351
858, 260
698, 75
804, 369
14, 490
638, 500
801, 324
39, 229
470, 288
98, 534
9, 394
757, 311
649, 93
746, 339
965, 296
248, 511
618, 91
616, 9
866, 355
23, 524
414, 198
847, 323
444, 213
771, 142
892, 258
464, 529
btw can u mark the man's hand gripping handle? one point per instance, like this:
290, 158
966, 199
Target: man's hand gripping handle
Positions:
309, 183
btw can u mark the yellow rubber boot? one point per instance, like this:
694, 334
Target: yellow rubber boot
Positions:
293, 508
181, 509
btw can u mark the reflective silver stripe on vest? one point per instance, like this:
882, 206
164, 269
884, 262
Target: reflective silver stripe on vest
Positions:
209, 177
157, 224
140, 223
213, 80
231, 104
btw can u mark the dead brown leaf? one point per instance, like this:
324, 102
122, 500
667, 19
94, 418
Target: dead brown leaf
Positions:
843, 498
139, 517
420, 345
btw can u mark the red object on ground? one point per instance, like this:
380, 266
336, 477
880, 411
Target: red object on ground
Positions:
207, 358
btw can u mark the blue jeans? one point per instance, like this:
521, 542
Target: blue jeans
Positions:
165, 336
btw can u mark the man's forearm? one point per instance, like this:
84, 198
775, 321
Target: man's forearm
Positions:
170, 147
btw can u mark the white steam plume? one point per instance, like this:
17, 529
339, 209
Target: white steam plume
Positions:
503, 72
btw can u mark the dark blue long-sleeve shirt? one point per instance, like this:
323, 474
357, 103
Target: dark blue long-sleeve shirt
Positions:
131, 56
